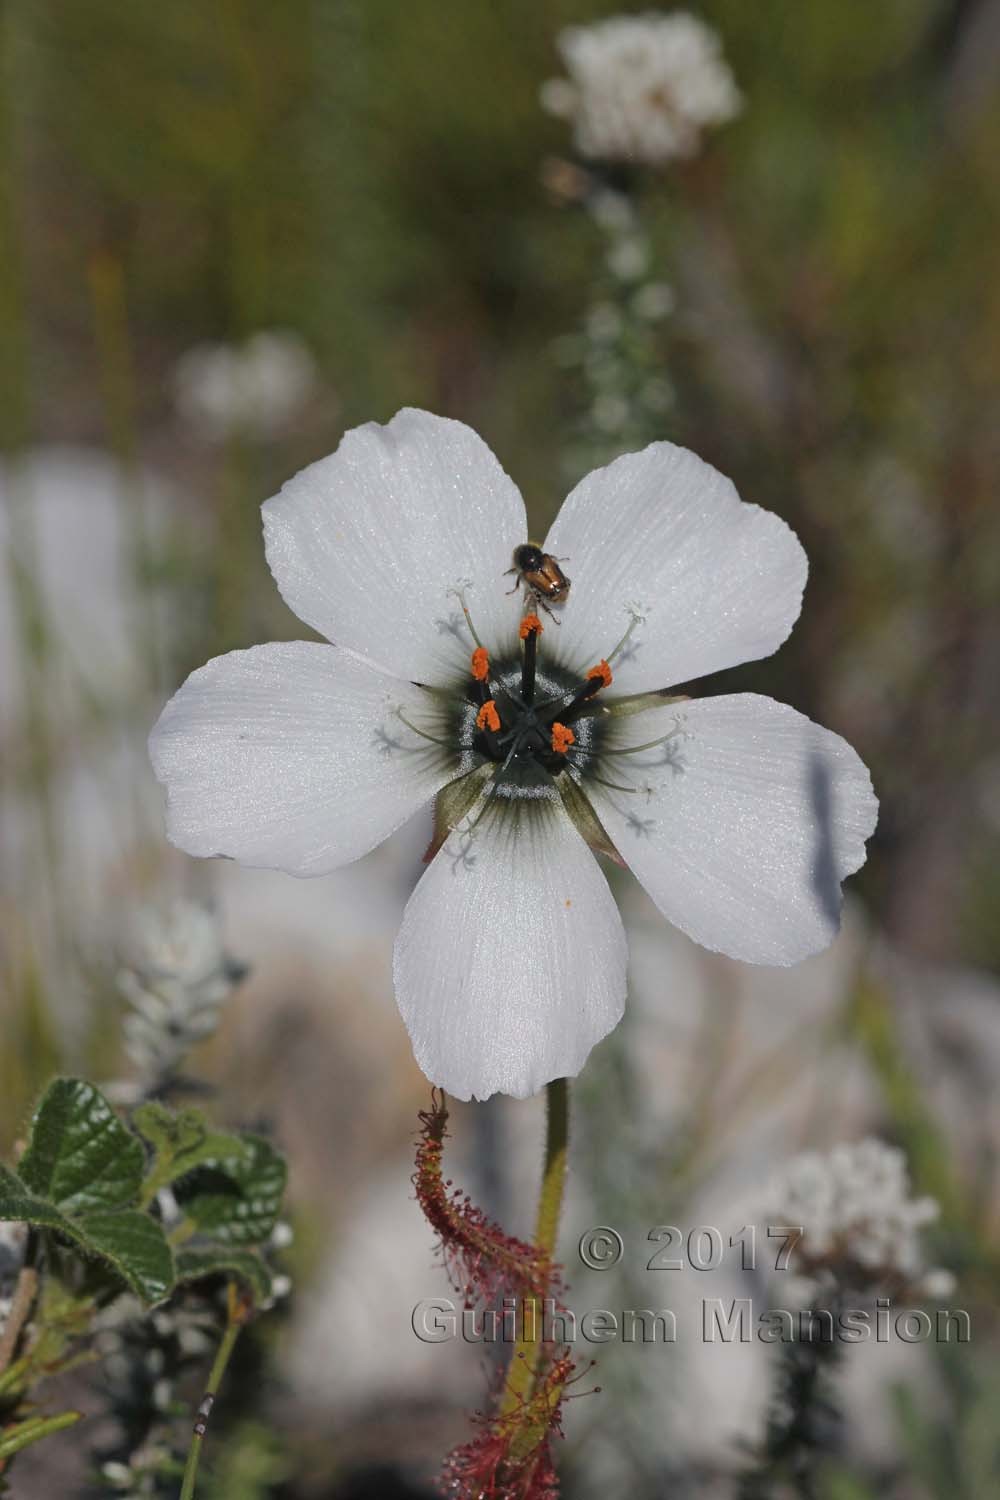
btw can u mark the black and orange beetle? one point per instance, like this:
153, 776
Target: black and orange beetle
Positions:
540, 573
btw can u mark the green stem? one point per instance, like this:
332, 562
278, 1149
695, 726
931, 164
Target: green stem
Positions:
237, 1315
527, 1351
23, 1434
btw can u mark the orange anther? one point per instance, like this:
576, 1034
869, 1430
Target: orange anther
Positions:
530, 625
487, 717
480, 664
562, 738
603, 671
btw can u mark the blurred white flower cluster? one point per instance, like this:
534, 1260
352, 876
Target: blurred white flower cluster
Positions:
176, 977
857, 1216
642, 88
256, 386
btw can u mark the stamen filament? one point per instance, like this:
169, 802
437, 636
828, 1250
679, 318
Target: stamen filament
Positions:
490, 794
613, 785
634, 749
422, 733
468, 618
636, 620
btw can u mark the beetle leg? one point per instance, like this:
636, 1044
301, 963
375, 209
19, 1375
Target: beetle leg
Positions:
539, 600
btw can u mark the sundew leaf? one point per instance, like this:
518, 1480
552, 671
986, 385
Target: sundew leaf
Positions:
236, 1199
218, 1260
80, 1156
180, 1143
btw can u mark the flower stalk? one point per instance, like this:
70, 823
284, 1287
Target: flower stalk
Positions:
524, 1365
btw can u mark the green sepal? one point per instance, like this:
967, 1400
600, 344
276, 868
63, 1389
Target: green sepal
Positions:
638, 703
217, 1260
585, 819
454, 802
236, 1199
80, 1156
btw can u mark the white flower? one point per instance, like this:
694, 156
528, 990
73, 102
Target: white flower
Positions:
738, 815
642, 88
854, 1207
257, 386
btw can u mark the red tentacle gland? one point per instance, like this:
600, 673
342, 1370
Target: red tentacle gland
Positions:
483, 1262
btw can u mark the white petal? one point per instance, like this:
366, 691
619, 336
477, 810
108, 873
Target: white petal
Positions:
290, 756
368, 545
756, 816
510, 964
661, 533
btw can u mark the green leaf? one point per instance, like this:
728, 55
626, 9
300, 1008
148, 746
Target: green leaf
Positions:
236, 1199
181, 1142
217, 1260
129, 1242
135, 1245
80, 1156
22, 1434
21, 1207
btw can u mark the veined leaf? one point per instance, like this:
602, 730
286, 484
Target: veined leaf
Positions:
80, 1156
217, 1260
181, 1142
236, 1199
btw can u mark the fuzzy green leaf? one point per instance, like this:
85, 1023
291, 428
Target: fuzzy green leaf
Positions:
18, 1206
180, 1143
80, 1156
135, 1245
130, 1243
217, 1260
236, 1199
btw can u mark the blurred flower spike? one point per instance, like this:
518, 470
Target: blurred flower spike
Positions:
860, 1226
739, 815
176, 977
641, 89
256, 387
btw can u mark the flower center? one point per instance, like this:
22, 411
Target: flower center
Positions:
529, 716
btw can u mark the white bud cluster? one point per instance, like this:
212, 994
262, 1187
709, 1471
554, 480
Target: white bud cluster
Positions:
856, 1213
256, 386
176, 977
642, 88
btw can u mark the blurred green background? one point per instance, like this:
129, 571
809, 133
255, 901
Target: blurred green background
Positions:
377, 179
